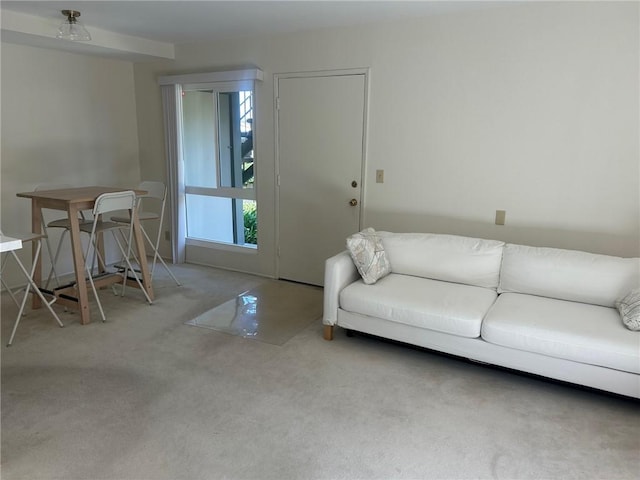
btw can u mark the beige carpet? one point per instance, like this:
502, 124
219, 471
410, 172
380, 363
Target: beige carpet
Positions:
273, 312
144, 396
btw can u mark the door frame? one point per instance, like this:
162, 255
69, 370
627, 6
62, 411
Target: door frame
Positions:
365, 71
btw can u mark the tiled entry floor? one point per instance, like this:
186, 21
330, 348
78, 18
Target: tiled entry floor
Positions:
271, 313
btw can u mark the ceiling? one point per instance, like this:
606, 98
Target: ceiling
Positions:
178, 22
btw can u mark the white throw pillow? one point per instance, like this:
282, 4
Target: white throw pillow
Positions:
368, 255
629, 308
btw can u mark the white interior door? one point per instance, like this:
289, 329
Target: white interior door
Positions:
320, 165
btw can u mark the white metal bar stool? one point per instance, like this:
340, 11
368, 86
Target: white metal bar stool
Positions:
9, 244
106, 203
156, 191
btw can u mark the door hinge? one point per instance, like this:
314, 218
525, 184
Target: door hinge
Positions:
278, 251
278, 180
277, 103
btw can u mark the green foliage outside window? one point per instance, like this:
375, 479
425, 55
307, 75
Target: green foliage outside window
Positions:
250, 222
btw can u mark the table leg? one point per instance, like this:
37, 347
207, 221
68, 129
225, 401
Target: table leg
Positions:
142, 254
36, 255
78, 265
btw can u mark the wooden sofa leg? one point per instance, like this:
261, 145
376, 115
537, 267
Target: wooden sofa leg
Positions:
328, 332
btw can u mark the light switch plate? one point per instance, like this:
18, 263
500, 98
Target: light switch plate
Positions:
379, 176
500, 217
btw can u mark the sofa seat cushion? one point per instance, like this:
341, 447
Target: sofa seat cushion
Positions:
420, 302
574, 331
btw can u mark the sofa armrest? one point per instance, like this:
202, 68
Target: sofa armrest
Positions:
339, 271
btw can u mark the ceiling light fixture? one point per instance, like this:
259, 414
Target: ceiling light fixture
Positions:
71, 29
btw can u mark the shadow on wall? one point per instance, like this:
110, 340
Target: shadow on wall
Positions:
623, 245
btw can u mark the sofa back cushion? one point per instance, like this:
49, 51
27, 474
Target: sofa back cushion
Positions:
452, 258
567, 274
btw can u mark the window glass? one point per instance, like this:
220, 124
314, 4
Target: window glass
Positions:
235, 134
198, 138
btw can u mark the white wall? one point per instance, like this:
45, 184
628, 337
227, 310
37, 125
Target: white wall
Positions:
66, 119
530, 108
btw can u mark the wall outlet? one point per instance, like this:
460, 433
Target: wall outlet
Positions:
500, 216
167, 235
379, 176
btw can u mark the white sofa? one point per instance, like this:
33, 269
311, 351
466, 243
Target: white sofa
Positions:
545, 311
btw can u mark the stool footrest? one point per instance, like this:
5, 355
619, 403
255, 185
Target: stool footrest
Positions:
65, 286
68, 297
122, 268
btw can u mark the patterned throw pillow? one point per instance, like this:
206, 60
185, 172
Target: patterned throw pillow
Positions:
368, 255
629, 308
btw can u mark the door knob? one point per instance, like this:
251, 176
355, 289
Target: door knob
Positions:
353, 202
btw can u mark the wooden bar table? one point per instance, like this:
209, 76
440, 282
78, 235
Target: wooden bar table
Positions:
74, 200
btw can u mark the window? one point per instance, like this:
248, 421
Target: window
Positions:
219, 164
209, 132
